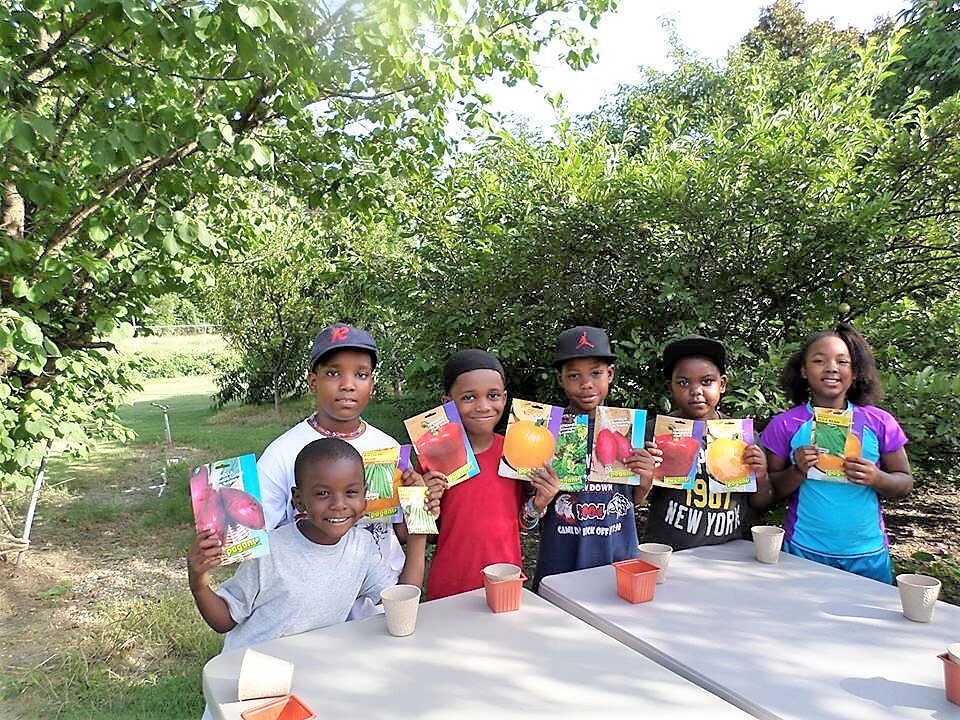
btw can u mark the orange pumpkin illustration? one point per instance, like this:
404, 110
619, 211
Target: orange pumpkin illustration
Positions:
834, 463
528, 445
725, 460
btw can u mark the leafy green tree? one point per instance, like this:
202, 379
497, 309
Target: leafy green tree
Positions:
120, 120
754, 210
931, 53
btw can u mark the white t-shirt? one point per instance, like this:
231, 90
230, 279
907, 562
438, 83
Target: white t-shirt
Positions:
302, 585
275, 471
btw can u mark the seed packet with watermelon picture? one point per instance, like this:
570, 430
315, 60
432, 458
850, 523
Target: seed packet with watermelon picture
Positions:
726, 440
834, 437
680, 440
570, 461
441, 443
383, 470
531, 438
616, 431
413, 502
226, 498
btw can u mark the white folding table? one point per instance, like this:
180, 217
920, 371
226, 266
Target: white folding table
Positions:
464, 662
790, 640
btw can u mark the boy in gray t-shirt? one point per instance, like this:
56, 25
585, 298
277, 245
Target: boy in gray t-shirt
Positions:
316, 568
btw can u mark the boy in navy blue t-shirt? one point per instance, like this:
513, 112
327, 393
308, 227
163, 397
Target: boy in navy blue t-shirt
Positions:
597, 525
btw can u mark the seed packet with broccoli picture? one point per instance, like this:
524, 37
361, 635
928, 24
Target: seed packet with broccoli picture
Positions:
570, 460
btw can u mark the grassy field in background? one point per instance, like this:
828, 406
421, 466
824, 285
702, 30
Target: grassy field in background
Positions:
163, 345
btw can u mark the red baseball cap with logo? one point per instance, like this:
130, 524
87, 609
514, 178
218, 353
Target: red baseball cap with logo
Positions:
341, 336
582, 341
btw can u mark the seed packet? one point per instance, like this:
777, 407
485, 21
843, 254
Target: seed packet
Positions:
413, 502
616, 432
531, 437
832, 435
226, 497
726, 440
441, 443
570, 461
383, 470
680, 440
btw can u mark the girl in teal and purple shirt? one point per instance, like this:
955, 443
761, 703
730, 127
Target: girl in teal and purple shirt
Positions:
837, 523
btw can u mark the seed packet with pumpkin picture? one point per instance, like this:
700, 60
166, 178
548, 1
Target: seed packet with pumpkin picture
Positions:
570, 459
383, 470
413, 502
680, 441
531, 438
226, 498
726, 440
616, 431
441, 443
832, 435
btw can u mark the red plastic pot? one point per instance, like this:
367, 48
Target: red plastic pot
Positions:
288, 707
951, 678
636, 580
504, 595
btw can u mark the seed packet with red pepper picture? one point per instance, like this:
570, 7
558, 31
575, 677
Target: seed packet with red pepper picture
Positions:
616, 432
726, 440
383, 470
531, 438
680, 440
441, 443
226, 497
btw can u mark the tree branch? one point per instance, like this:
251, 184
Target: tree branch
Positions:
44, 58
115, 185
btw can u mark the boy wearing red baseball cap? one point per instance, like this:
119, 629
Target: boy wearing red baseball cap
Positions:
341, 378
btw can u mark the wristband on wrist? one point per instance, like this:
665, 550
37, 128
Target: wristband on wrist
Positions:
529, 516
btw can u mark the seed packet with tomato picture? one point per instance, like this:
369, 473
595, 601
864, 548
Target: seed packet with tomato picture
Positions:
570, 460
413, 502
531, 438
226, 498
680, 440
441, 443
383, 470
726, 440
616, 432
833, 436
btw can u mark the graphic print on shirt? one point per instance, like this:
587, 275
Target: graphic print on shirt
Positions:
697, 512
571, 511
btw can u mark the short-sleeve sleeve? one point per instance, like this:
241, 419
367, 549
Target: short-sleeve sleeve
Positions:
240, 592
776, 436
890, 435
379, 577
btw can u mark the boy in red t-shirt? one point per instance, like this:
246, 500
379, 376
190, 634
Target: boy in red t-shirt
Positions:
480, 518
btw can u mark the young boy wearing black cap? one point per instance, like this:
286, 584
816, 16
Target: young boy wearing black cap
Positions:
595, 526
480, 519
695, 370
341, 378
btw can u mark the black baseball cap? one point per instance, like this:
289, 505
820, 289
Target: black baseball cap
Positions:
582, 341
693, 346
341, 336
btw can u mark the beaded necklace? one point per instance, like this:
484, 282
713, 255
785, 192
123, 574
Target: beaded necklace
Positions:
327, 432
